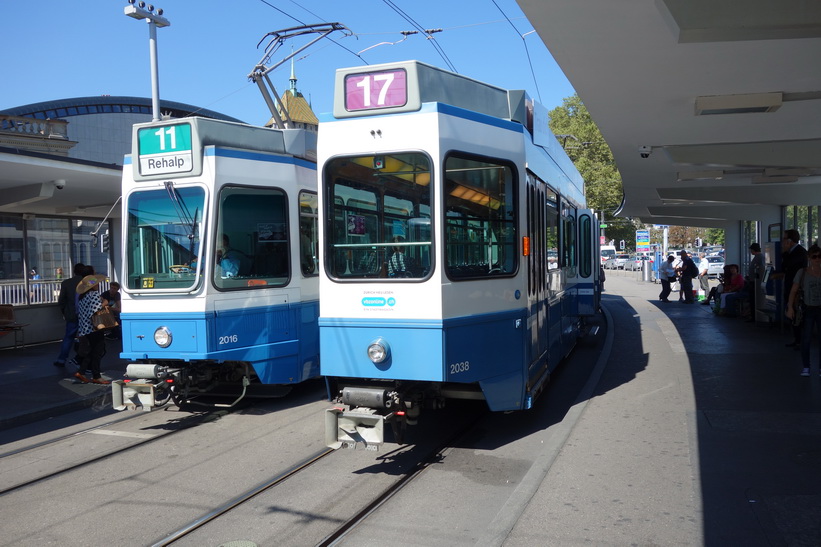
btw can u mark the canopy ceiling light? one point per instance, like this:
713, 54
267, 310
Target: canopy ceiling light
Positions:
773, 179
790, 171
699, 175
738, 104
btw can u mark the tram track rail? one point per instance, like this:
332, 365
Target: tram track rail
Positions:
242, 498
431, 456
41, 444
204, 418
434, 455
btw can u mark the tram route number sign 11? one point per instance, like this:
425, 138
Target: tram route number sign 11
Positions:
165, 149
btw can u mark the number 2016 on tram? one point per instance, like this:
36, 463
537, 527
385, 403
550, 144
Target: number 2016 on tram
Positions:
457, 257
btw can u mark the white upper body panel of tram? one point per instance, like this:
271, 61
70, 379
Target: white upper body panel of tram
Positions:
204, 156
436, 112
404, 87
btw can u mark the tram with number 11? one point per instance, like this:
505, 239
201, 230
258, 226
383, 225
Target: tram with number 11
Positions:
220, 288
458, 260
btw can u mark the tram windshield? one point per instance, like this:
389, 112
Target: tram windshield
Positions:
163, 238
378, 224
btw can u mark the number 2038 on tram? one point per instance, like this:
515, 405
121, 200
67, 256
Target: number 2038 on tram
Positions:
457, 261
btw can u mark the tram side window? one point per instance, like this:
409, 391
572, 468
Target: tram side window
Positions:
163, 238
378, 224
552, 237
480, 230
585, 250
569, 247
308, 237
252, 238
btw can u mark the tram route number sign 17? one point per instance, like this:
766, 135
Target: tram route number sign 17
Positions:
373, 90
165, 149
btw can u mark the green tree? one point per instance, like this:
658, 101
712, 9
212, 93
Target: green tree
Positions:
584, 144
714, 236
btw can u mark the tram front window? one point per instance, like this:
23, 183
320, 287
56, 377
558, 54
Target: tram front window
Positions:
163, 238
378, 224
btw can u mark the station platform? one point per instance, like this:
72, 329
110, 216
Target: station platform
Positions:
700, 430
33, 389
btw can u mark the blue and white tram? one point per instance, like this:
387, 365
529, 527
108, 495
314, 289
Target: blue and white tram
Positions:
458, 260
220, 289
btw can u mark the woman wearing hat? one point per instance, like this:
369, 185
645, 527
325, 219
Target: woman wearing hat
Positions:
92, 342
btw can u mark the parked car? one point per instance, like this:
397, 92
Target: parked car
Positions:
715, 265
616, 262
634, 262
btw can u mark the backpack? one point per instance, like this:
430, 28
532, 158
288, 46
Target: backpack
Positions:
691, 270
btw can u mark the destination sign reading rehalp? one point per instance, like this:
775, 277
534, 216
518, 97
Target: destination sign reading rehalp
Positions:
165, 149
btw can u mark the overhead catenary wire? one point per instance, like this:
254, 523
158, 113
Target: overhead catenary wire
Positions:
527, 51
428, 33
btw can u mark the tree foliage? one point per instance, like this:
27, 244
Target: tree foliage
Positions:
714, 236
584, 144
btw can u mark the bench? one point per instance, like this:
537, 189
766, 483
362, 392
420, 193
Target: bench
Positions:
767, 314
8, 325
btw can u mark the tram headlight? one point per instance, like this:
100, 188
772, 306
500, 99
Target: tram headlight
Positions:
379, 351
162, 336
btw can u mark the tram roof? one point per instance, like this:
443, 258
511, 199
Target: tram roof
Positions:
652, 73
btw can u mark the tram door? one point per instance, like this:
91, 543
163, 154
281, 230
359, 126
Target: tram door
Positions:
537, 277
588, 262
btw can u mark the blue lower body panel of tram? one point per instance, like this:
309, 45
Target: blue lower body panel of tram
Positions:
281, 343
486, 350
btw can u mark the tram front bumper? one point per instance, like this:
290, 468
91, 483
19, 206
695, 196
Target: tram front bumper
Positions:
133, 394
348, 428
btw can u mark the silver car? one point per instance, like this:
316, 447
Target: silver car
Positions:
616, 262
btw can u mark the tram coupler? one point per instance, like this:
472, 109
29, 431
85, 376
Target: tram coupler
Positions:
141, 390
134, 393
348, 428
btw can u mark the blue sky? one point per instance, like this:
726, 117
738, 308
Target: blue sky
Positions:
57, 49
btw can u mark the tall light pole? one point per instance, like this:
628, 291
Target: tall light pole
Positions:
140, 12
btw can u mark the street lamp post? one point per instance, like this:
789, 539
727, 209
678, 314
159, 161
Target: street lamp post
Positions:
142, 11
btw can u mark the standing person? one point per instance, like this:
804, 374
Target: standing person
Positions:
689, 271
397, 265
667, 275
66, 302
808, 279
703, 276
91, 342
756, 276
35, 287
793, 258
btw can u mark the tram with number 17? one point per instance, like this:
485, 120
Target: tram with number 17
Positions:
458, 260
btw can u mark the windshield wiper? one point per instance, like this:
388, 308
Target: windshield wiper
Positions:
181, 209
